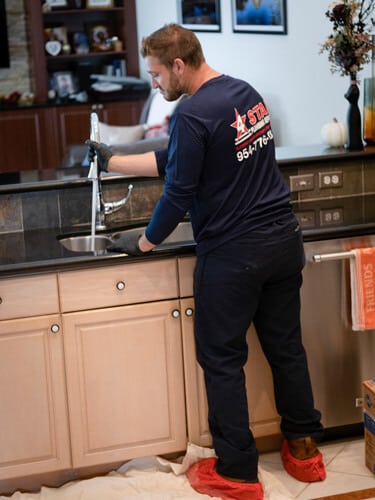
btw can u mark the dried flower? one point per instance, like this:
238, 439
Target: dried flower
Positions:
350, 44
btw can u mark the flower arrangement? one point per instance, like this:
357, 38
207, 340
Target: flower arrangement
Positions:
350, 44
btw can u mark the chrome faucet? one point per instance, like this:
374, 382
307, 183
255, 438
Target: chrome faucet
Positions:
104, 208
101, 208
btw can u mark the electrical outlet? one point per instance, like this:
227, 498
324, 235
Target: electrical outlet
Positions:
358, 402
303, 182
306, 218
331, 216
330, 179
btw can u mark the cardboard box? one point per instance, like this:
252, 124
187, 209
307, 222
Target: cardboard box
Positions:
368, 387
369, 423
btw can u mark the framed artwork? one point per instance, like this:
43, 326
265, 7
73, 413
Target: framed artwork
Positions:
97, 4
199, 16
64, 83
259, 16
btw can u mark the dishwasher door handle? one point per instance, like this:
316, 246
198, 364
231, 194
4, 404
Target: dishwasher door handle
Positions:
332, 256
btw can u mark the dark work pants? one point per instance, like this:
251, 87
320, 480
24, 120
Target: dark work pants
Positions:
253, 279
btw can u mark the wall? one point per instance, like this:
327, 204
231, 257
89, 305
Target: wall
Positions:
16, 77
288, 71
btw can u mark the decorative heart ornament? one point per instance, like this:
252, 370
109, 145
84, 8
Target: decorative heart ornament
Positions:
53, 47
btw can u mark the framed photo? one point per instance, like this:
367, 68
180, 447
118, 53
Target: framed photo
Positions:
99, 37
199, 16
259, 16
64, 83
97, 4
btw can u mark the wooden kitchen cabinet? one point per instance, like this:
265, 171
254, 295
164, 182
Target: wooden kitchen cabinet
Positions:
29, 128
264, 419
125, 382
123, 354
34, 433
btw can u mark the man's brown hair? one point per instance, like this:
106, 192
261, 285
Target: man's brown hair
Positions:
171, 42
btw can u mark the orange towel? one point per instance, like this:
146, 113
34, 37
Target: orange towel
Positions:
362, 277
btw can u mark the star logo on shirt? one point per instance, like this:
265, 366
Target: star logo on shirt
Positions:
239, 124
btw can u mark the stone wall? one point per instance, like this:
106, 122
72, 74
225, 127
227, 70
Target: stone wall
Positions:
17, 77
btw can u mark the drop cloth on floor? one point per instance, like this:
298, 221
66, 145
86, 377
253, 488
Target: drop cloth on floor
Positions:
149, 478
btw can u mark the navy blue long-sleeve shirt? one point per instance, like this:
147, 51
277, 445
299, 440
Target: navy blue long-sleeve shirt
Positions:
220, 167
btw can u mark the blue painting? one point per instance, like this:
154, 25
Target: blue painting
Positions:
262, 16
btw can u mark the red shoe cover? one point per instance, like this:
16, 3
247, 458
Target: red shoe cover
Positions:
308, 471
204, 479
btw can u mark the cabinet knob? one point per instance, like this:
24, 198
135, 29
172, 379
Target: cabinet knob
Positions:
55, 328
175, 313
189, 311
120, 285
95, 107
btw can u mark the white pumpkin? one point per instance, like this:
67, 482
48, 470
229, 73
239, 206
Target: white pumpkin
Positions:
335, 134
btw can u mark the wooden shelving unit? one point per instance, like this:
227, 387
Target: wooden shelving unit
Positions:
120, 20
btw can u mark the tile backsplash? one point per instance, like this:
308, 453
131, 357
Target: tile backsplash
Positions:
70, 208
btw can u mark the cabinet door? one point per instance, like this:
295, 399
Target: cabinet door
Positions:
33, 419
125, 382
264, 419
35, 129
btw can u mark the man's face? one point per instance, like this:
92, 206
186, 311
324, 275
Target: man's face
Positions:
164, 79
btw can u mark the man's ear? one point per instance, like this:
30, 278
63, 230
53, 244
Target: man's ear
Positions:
178, 66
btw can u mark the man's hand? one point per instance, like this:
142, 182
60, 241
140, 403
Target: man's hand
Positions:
102, 152
126, 243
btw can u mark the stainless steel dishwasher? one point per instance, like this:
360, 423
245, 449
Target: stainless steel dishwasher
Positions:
339, 358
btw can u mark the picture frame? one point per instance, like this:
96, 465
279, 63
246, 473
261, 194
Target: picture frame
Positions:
98, 4
199, 16
260, 16
98, 35
64, 83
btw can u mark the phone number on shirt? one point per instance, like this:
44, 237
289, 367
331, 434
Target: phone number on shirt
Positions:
254, 146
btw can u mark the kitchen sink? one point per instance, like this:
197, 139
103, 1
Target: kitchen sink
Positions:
86, 243
182, 236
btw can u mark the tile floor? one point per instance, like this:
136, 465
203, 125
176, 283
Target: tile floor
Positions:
346, 472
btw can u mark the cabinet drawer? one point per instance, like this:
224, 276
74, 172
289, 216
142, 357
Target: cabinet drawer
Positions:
118, 285
28, 296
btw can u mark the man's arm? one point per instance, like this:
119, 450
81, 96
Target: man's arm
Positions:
143, 164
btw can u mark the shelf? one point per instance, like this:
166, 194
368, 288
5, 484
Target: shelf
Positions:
61, 12
104, 53
120, 21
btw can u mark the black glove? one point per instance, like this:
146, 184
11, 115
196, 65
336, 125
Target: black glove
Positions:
102, 152
126, 243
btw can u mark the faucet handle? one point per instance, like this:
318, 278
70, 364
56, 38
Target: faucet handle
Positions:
112, 206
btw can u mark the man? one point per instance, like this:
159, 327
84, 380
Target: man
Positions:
220, 167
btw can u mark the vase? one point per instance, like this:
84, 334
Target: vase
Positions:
353, 117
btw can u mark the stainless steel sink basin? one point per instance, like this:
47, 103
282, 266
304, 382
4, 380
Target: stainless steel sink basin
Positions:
182, 236
86, 243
